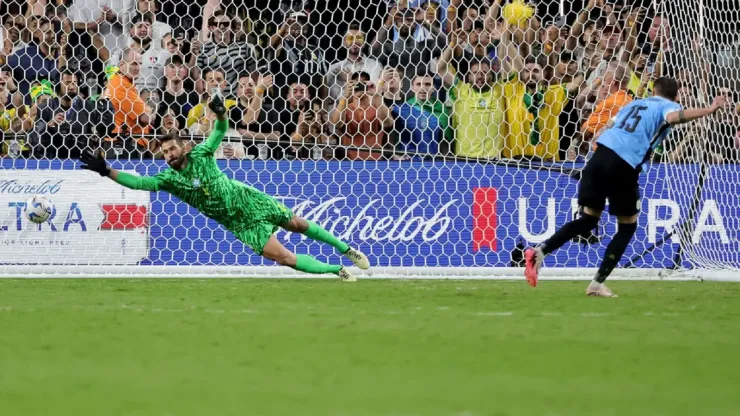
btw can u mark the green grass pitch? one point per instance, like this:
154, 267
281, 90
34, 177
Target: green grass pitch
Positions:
321, 347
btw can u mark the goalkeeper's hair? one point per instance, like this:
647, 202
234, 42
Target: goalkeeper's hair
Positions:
666, 87
170, 137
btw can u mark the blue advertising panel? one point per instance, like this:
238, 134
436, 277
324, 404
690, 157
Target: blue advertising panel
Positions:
413, 213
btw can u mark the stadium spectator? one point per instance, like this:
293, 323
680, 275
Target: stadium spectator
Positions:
611, 96
88, 57
63, 127
390, 86
231, 149
296, 58
552, 41
175, 47
40, 93
461, 17
473, 46
567, 68
254, 115
220, 51
40, 59
109, 18
272, 126
168, 123
161, 31
150, 95
131, 115
298, 100
175, 97
242, 25
15, 99
411, 43
6, 49
568, 72
643, 72
153, 57
201, 119
423, 121
533, 107
582, 33
361, 118
13, 121
478, 109
659, 33
614, 43
429, 11
310, 139
356, 61
725, 126
14, 24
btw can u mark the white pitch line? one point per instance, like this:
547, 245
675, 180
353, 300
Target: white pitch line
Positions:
551, 314
443, 308
495, 313
594, 314
246, 311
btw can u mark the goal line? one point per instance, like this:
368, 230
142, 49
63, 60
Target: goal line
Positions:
432, 273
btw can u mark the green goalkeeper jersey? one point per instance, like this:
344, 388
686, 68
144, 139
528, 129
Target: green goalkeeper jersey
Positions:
202, 185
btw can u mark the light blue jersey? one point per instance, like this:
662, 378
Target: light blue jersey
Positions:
639, 127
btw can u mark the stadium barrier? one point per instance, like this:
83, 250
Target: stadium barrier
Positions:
413, 219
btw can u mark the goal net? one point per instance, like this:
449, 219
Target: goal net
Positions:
439, 137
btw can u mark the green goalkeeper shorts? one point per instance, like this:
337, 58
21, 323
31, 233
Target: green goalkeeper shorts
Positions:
262, 215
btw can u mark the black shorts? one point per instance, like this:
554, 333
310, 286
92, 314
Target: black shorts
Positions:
608, 176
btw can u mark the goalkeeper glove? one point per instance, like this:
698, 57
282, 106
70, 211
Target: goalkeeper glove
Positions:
94, 163
217, 105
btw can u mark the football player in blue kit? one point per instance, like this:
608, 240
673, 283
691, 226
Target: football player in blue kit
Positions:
623, 145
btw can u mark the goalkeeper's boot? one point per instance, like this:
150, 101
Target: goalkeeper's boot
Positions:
345, 276
358, 258
599, 289
532, 264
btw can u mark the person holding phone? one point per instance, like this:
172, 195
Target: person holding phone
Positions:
644, 72
361, 118
297, 56
161, 31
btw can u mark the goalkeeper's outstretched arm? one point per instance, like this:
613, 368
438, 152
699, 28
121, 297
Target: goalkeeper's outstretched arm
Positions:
222, 124
685, 116
144, 183
99, 165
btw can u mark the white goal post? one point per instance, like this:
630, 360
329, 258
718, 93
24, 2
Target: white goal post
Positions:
460, 148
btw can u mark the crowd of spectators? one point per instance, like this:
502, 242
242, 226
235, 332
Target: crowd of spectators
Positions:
411, 79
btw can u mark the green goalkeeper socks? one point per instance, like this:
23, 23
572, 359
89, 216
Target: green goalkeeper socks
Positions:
309, 264
319, 234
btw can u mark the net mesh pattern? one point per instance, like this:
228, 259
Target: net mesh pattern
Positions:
441, 109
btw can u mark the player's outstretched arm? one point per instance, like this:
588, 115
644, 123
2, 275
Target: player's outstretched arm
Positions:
222, 124
97, 164
685, 116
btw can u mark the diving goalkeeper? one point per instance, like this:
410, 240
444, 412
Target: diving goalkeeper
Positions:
252, 216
